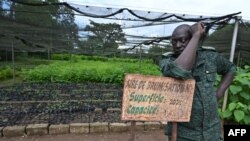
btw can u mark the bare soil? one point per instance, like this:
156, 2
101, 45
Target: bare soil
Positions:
156, 135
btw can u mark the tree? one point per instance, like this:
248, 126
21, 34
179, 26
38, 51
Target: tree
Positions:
159, 50
50, 26
156, 52
105, 36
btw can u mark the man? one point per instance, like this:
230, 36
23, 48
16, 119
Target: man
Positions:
189, 61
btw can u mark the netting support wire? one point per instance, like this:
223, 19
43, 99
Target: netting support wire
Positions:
233, 46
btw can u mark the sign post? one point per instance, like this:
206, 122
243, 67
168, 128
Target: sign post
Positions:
156, 98
174, 132
132, 131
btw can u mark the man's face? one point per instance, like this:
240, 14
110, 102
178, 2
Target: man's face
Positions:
179, 41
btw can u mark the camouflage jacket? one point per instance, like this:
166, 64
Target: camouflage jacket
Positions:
204, 123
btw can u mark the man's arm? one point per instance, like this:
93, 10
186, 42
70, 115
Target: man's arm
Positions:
187, 57
224, 84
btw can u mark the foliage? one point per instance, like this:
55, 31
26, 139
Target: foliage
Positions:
59, 102
155, 49
48, 14
52, 20
61, 56
5, 73
20, 63
238, 107
89, 71
104, 36
96, 58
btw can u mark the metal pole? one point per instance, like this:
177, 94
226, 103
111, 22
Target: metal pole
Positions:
233, 45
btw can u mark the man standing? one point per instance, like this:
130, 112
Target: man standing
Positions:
190, 61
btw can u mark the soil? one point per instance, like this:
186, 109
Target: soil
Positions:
68, 111
54, 103
155, 135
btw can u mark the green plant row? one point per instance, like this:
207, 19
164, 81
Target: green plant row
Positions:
88, 71
5, 73
7, 70
95, 58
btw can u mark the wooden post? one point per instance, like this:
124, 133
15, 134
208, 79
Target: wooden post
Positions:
132, 131
174, 131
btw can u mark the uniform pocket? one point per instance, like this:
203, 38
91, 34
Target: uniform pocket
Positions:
211, 73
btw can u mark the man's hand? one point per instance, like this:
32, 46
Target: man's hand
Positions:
198, 29
224, 84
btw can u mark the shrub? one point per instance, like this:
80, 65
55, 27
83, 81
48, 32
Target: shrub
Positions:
238, 107
6, 73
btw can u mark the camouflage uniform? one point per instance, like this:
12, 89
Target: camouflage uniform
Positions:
204, 123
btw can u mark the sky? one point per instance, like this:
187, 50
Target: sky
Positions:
193, 7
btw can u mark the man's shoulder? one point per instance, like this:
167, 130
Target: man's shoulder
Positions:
208, 48
168, 54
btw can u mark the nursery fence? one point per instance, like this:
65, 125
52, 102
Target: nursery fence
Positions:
66, 28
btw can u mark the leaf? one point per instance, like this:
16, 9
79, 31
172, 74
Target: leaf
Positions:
247, 119
246, 67
239, 115
220, 112
235, 89
226, 114
232, 106
240, 105
245, 95
233, 98
248, 107
243, 81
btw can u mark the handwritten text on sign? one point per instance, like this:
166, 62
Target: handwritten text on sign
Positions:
153, 98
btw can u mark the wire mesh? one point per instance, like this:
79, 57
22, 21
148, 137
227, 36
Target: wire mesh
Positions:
52, 27
31, 29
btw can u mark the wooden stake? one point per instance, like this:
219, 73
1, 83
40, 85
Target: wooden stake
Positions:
174, 131
132, 129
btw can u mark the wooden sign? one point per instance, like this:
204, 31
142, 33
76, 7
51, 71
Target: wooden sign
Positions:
157, 98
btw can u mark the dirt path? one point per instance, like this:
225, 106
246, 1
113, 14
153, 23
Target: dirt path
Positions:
157, 135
